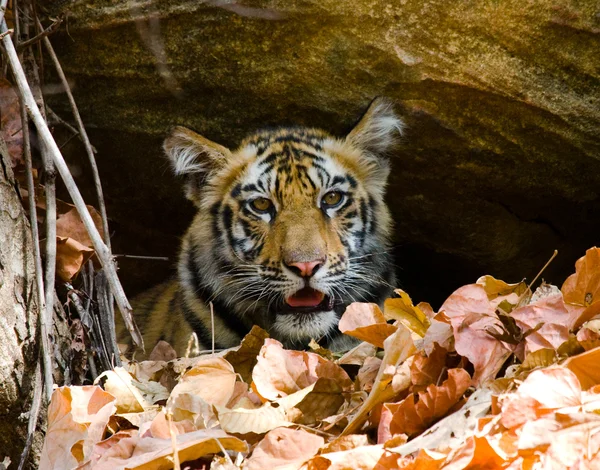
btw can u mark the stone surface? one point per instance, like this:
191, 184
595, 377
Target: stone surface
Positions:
500, 163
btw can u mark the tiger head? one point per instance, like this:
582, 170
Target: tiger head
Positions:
291, 227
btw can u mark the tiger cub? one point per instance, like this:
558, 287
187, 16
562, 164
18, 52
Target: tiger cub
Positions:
291, 228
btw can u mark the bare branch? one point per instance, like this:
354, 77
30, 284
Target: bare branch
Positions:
43, 35
84, 137
102, 250
34, 413
44, 330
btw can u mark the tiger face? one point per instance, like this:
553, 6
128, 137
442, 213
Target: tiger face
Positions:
291, 228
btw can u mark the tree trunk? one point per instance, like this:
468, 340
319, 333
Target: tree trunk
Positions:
19, 345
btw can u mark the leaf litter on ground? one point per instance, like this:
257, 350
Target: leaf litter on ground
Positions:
499, 377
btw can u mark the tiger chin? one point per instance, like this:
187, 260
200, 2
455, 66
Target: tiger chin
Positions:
290, 229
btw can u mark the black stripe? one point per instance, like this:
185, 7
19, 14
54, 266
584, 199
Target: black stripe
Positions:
204, 293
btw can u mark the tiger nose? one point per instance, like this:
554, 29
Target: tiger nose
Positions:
305, 268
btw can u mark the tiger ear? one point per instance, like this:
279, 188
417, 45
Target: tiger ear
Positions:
193, 157
378, 130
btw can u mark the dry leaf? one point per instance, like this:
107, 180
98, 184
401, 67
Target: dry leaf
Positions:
77, 417
70, 225
211, 378
211, 381
132, 395
543, 391
428, 369
280, 372
405, 312
555, 321
366, 322
563, 440
587, 337
586, 367
360, 458
582, 289
499, 291
257, 421
163, 352
284, 449
358, 355
153, 453
71, 256
472, 317
477, 453
244, 358
416, 412
398, 348
368, 372
342, 443
451, 431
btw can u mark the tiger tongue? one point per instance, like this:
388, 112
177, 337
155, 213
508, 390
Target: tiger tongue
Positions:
306, 297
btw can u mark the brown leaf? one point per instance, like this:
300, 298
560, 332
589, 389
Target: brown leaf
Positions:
70, 257
582, 289
542, 391
499, 291
70, 225
358, 355
476, 453
427, 370
324, 400
132, 395
556, 321
284, 449
244, 357
416, 412
211, 381
163, 351
589, 336
368, 372
585, 367
472, 315
366, 322
257, 421
10, 121
403, 310
359, 458
280, 372
152, 453
563, 440
77, 417
398, 348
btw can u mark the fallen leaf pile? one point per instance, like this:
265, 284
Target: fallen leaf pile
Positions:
497, 378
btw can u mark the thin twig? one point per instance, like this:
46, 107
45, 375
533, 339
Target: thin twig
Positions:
84, 137
56, 119
16, 21
34, 413
50, 277
44, 328
45, 355
176, 464
157, 258
49, 30
212, 326
45, 136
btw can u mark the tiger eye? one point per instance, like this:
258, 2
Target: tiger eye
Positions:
332, 199
261, 204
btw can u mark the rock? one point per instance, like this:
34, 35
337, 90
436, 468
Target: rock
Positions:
500, 163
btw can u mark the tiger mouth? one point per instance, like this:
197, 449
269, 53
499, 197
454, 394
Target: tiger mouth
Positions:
308, 300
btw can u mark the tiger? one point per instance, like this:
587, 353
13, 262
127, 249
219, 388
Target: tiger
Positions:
290, 229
